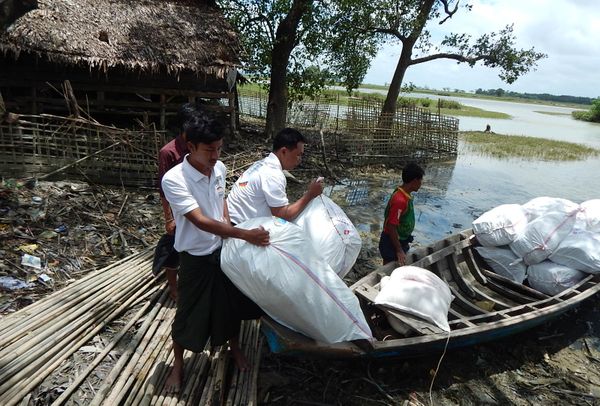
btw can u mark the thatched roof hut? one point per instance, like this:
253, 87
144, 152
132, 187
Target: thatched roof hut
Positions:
154, 50
147, 35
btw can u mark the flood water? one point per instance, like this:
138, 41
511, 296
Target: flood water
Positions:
456, 192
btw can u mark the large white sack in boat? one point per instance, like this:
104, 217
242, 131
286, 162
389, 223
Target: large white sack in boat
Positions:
504, 262
579, 250
588, 217
542, 236
417, 291
551, 278
331, 233
543, 205
293, 284
500, 225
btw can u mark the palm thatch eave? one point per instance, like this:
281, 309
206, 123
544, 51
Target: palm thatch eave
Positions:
149, 35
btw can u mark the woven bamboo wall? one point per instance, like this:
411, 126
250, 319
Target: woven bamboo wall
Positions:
38, 145
411, 133
363, 134
304, 114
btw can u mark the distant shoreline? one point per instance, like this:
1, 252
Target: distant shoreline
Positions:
483, 96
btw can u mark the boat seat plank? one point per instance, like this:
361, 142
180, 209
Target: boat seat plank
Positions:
460, 318
524, 290
472, 265
440, 254
452, 261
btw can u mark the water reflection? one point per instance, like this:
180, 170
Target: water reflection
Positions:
455, 193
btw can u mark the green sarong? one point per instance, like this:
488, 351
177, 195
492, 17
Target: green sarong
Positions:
208, 303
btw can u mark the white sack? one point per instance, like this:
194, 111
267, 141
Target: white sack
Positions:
293, 284
504, 262
588, 217
542, 236
579, 250
551, 278
331, 233
417, 291
500, 225
543, 205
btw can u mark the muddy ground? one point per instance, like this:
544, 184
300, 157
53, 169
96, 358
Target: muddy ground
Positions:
558, 363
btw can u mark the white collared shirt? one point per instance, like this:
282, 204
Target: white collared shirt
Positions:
186, 189
260, 187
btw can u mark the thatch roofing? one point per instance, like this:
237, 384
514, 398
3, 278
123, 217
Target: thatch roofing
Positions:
145, 35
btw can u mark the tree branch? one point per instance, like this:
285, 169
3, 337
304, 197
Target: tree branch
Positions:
457, 57
449, 13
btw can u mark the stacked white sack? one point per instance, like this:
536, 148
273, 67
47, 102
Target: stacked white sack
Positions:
542, 236
551, 278
417, 291
504, 262
588, 217
540, 206
579, 250
331, 233
500, 225
293, 284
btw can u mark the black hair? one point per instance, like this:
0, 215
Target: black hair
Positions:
411, 172
186, 113
204, 128
289, 138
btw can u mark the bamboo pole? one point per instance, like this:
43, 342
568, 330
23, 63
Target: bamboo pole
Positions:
106, 315
143, 365
81, 377
17, 349
26, 317
122, 384
108, 382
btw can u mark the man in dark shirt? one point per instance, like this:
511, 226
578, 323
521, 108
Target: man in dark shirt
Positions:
170, 155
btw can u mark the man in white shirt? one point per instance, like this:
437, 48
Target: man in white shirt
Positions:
208, 305
260, 191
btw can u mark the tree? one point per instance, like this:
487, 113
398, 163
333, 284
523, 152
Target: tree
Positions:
406, 20
301, 45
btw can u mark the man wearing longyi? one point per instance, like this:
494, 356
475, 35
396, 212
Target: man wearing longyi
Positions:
209, 305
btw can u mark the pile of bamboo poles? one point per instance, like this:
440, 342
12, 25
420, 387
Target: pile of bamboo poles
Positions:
35, 341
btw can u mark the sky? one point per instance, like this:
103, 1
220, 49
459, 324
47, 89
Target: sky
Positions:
568, 31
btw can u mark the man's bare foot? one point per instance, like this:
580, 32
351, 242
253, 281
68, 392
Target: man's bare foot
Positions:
174, 380
240, 359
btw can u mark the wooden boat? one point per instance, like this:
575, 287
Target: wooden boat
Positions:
486, 307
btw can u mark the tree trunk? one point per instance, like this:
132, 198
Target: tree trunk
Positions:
408, 43
278, 96
285, 41
391, 100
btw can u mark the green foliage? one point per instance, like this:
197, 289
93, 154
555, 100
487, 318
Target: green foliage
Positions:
328, 49
595, 111
449, 104
593, 114
536, 96
495, 50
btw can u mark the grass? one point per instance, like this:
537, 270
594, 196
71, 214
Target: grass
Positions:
552, 113
514, 146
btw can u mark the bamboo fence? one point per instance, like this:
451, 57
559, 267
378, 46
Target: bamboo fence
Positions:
363, 134
38, 341
35, 145
44, 145
411, 133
